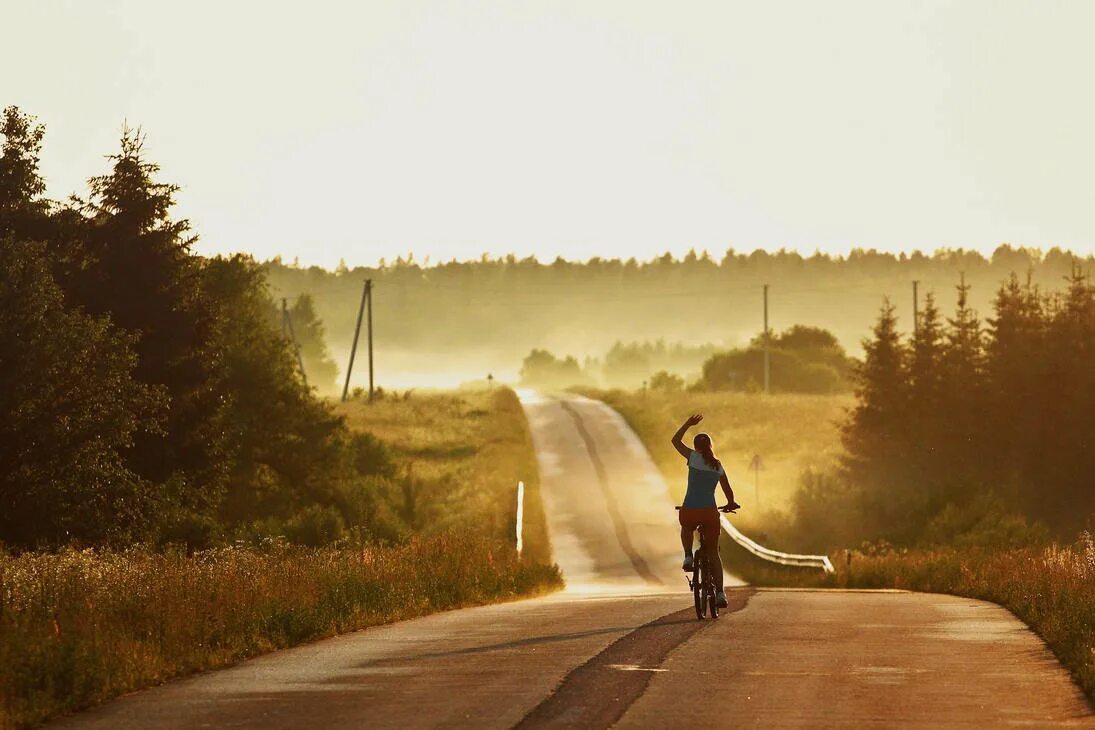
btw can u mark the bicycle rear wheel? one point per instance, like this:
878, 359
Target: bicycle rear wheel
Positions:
697, 587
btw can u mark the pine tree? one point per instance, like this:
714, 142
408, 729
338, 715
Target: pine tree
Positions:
875, 437
1067, 431
1015, 368
145, 277
961, 437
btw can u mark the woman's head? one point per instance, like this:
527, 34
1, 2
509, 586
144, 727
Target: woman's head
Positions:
702, 443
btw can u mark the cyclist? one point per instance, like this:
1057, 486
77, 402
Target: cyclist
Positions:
699, 510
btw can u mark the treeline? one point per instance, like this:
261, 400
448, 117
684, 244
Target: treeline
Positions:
800, 360
970, 430
488, 314
149, 393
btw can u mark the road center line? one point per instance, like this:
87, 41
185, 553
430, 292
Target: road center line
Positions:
618, 523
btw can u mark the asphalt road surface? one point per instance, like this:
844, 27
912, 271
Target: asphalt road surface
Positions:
622, 647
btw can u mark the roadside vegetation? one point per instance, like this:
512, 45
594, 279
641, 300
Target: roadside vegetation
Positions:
461, 454
81, 626
791, 433
174, 493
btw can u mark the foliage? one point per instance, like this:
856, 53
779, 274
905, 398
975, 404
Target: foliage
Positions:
577, 307
150, 393
666, 381
79, 627
791, 433
320, 370
69, 410
959, 419
541, 368
460, 456
800, 360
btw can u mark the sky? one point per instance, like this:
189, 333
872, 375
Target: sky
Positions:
366, 130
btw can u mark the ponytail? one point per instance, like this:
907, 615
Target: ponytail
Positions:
706, 451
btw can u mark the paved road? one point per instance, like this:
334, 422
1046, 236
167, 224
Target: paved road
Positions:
621, 648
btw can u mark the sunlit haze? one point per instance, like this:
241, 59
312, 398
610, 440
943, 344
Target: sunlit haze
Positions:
363, 131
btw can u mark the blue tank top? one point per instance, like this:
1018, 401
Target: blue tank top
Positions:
702, 480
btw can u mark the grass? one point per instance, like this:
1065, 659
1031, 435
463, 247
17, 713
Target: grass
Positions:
80, 627
466, 450
790, 433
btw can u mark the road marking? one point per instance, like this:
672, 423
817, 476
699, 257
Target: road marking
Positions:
618, 524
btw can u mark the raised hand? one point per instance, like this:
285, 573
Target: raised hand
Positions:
693, 419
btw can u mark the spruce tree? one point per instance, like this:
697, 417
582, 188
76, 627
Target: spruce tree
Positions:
144, 276
962, 440
875, 436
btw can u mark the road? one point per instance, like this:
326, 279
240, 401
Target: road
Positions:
621, 645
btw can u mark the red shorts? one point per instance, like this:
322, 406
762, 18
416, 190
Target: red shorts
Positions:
706, 518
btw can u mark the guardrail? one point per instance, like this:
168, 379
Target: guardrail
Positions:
775, 556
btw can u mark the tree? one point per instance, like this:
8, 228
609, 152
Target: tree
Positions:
320, 369
1066, 431
291, 451
961, 440
69, 411
875, 436
143, 275
22, 207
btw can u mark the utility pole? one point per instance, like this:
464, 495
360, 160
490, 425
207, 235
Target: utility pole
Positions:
916, 308
369, 297
357, 332
287, 330
766, 369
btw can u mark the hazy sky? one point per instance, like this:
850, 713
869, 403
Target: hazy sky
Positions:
368, 129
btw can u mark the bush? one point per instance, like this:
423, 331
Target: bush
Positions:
666, 381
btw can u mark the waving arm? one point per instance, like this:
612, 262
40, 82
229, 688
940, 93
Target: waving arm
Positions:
678, 442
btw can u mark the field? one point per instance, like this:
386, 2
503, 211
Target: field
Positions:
789, 432
465, 451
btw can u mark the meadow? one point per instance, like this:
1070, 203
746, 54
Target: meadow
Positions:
463, 452
791, 433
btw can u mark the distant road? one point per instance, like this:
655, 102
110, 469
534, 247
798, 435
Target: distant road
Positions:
622, 646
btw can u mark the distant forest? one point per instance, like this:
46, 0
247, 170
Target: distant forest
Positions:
489, 314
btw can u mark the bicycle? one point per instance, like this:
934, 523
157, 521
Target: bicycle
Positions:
702, 582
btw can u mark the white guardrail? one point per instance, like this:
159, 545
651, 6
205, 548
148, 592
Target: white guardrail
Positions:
801, 561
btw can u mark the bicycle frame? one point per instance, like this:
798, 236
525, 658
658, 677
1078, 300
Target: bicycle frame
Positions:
702, 583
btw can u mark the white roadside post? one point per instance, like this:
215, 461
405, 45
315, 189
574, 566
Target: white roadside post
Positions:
520, 515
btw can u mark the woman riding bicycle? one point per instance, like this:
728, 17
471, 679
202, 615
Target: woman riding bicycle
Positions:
699, 510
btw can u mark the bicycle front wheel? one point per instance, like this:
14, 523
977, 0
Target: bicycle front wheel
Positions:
698, 592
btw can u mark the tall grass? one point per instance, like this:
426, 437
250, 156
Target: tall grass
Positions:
464, 451
791, 433
78, 627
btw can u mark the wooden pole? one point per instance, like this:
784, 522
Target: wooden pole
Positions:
287, 323
766, 366
357, 332
369, 297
